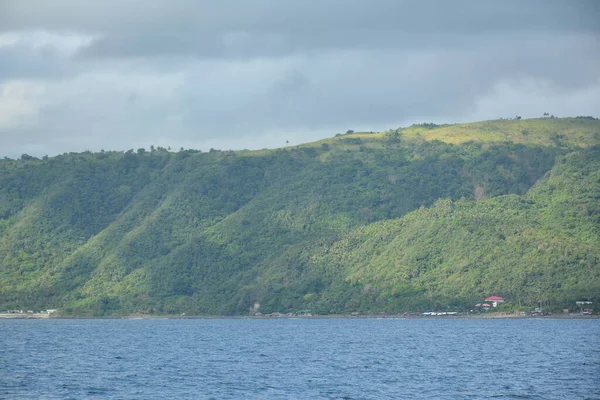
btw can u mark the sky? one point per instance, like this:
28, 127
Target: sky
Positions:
124, 74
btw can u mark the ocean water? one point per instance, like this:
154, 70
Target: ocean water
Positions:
300, 359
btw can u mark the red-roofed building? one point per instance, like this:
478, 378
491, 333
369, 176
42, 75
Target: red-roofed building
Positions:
485, 305
495, 300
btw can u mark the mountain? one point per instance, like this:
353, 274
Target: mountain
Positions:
413, 218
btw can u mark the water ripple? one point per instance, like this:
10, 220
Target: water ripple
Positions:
300, 359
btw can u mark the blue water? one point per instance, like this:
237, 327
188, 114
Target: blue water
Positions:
300, 359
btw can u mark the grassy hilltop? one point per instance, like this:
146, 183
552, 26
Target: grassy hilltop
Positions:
413, 218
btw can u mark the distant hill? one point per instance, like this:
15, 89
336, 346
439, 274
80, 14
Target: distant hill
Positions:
410, 219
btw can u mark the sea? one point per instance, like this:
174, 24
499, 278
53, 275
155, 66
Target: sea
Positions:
294, 358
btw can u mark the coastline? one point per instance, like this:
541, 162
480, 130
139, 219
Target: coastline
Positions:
284, 316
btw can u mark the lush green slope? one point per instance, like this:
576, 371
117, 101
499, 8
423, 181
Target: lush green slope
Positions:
542, 246
401, 220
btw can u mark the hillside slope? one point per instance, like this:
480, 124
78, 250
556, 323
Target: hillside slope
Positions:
407, 219
539, 247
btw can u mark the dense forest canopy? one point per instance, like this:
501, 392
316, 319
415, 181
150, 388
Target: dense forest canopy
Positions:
428, 216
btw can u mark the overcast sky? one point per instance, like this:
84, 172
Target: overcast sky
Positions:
120, 74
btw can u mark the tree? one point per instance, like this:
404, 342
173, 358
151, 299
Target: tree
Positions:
349, 131
394, 135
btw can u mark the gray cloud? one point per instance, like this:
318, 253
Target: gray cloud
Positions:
272, 28
235, 74
18, 63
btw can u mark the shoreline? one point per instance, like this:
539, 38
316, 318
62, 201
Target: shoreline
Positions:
331, 316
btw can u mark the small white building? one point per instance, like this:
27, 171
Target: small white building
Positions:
495, 300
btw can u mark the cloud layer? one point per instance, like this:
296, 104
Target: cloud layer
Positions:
236, 74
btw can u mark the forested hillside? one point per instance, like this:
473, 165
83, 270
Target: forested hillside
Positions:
414, 218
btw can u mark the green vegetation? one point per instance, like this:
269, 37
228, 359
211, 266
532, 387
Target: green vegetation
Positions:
429, 216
